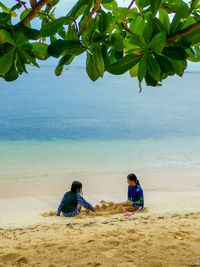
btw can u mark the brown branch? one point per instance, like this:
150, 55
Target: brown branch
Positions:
35, 10
32, 3
95, 9
76, 26
183, 32
126, 28
167, 8
132, 2
23, 3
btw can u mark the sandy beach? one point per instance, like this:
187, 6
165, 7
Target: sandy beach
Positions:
53, 132
163, 234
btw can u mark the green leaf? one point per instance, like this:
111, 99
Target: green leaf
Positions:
176, 22
138, 41
64, 47
103, 22
150, 81
87, 35
72, 33
78, 8
12, 75
143, 3
7, 10
24, 13
137, 26
142, 68
20, 64
158, 41
17, 6
52, 27
165, 65
98, 60
90, 4
30, 33
148, 29
40, 50
157, 25
174, 52
5, 19
20, 39
153, 68
117, 41
155, 4
106, 1
6, 61
110, 5
134, 70
26, 57
4, 8
163, 17
179, 66
194, 54
65, 60
192, 38
5, 37
91, 68
124, 64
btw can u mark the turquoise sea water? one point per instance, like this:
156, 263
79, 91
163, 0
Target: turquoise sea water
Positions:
62, 128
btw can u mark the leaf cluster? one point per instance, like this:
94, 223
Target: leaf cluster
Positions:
152, 40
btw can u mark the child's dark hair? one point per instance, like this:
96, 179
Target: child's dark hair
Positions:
76, 186
133, 177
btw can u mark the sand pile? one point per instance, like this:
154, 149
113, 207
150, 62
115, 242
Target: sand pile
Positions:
100, 210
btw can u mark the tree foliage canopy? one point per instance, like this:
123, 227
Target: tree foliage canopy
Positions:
151, 39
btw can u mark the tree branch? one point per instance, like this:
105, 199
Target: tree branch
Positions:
183, 32
23, 3
32, 3
95, 9
132, 2
126, 28
35, 10
167, 8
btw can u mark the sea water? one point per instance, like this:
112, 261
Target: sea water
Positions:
57, 129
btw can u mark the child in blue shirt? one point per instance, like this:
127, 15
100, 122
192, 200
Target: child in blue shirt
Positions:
135, 195
72, 201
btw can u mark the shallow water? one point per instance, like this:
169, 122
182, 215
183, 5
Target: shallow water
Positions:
56, 129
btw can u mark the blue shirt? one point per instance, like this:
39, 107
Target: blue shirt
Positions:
80, 201
135, 194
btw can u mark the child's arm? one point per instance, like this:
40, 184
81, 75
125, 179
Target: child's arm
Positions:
129, 194
141, 198
84, 203
61, 205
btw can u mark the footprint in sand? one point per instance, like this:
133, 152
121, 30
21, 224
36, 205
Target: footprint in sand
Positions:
22, 260
9, 257
111, 242
131, 231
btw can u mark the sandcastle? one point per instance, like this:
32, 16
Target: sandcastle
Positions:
104, 209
